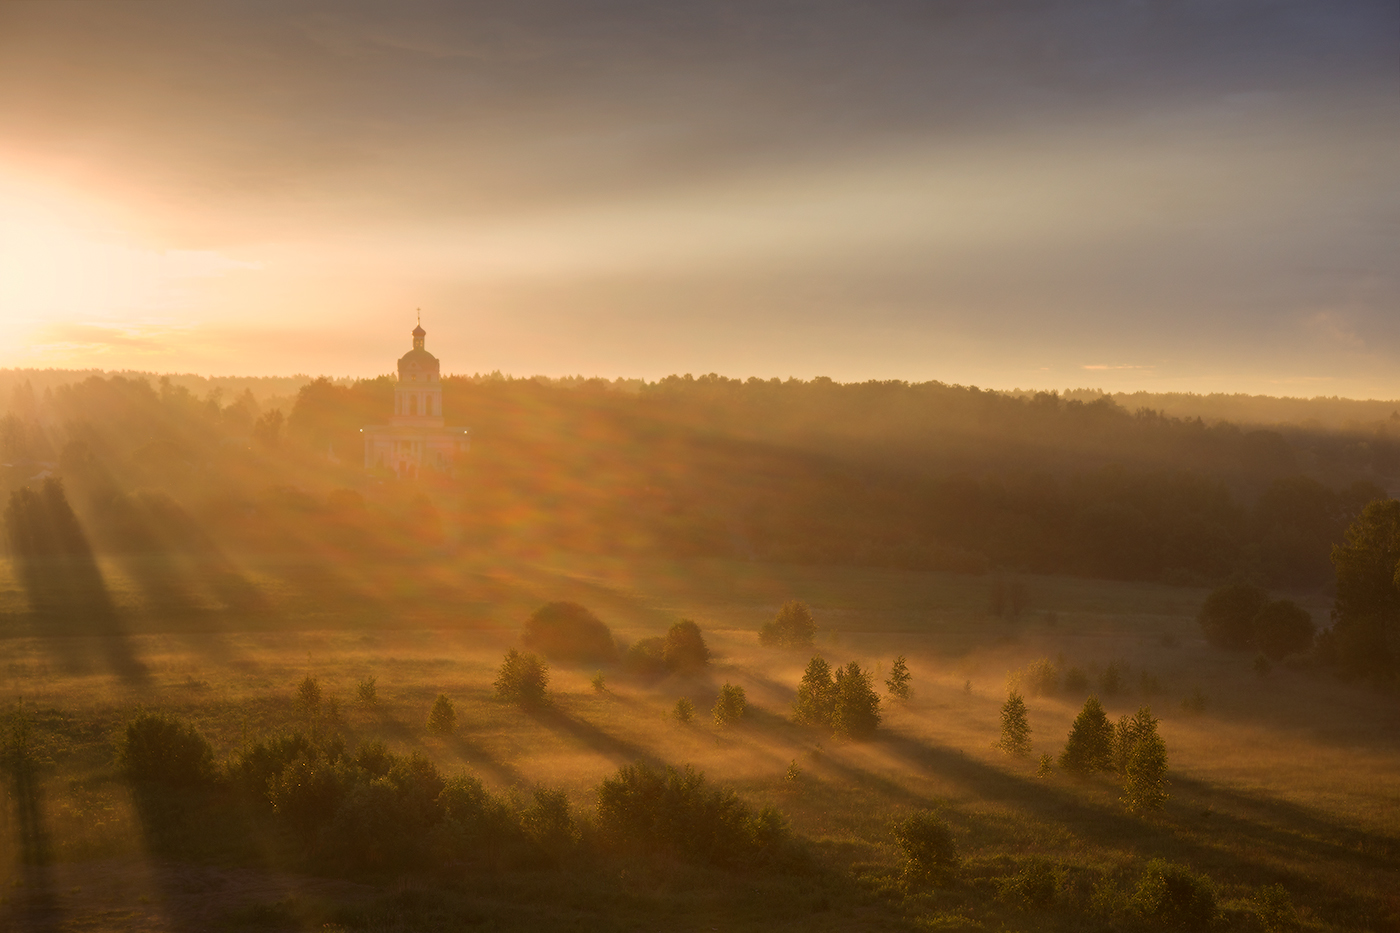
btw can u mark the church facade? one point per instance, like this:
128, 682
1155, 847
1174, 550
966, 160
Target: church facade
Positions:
417, 437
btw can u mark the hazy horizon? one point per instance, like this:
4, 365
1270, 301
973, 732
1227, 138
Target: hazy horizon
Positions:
1006, 195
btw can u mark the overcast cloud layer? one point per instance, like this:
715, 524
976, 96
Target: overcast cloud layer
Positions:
1189, 195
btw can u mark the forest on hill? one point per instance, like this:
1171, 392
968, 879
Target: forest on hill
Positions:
923, 476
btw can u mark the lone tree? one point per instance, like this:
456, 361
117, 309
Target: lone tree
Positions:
730, 705
856, 712
793, 627
522, 679
816, 695
1366, 612
684, 650
1090, 744
1282, 628
1015, 727
898, 682
1227, 616
568, 632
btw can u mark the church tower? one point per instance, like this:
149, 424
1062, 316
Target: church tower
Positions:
416, 437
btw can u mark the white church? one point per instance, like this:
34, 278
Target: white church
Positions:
416, 438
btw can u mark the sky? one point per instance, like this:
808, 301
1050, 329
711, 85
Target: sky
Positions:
1178, 195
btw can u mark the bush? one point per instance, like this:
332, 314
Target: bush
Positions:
1038, 678
475, 821
897, 684
568, 632
1076, 682
1281, 628
1145, 780
1227, 615
793, 627
442, 719
308, 792
1015, 727
684, 650
730, 705
260, 764
1033, 887
366, 694
930, 855
599, 682
522, 680
158, 749
1129, 731
1090, 744
676, 812
646, 658
856, 711
685, 710
1173, 896
1274, 909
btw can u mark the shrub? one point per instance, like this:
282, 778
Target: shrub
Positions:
684, 650
646, 658
308, 791
1227, 615
1045, 768
522, 680
1273, 909
678, 813
816, 695
730, 705
260, 764
685, 710
1038, 678
1129, 731
793, 627
366, 694
1281, 628
856, 711
164, 750
1015, 727
599, 682
1033, 887
1174, 896
442, 719
549, 824
475, 821
898, 682
568, 632
1145, 780
930, 855
1090, 744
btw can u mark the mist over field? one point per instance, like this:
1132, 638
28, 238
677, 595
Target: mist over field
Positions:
627, 466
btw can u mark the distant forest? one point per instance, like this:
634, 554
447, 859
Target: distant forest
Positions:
878, 473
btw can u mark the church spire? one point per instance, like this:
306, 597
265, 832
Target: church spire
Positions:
418, 332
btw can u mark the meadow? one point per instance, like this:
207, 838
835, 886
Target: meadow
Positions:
1287, 778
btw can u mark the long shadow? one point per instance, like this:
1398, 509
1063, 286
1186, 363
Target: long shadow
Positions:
38, 908
619, 750
60, 576
1165, 834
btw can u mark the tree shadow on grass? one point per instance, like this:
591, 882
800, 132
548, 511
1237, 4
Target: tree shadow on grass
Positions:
620, 751
35, 907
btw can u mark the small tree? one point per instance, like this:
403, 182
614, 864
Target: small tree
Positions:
730, 705
685, 651
816, 695
1129, 731
599, 682
856, 712
898, 682
685, 710
366, 693
157, 749
1145, 783
1090, 744
309, 694
1015, 727
568, 632
443, 717
522, 679
793, 627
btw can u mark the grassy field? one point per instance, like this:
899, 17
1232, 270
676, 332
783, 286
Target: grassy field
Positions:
1288, 778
